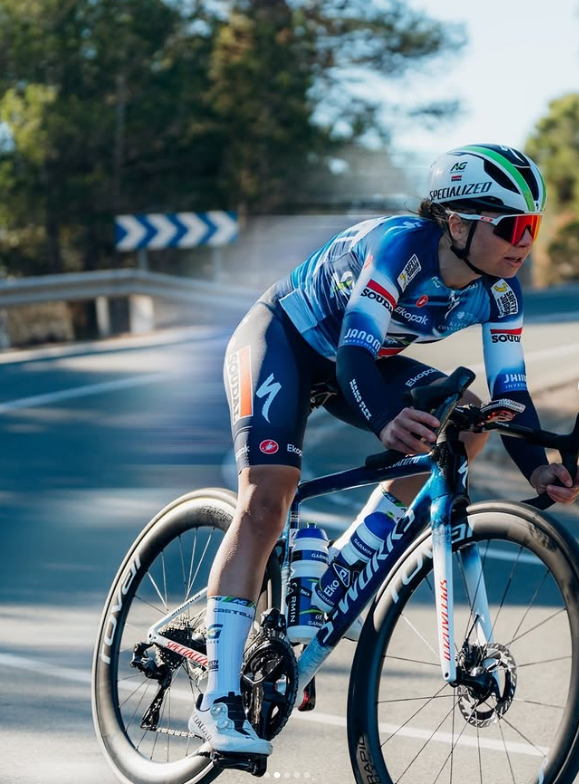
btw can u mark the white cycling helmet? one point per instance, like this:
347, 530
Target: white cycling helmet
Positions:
487, 177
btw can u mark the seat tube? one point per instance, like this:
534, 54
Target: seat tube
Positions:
443, 584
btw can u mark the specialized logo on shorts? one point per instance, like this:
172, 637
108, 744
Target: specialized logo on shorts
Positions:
374, 291
269, 447
409, 272
269, 388
240, 385
506, 335
505, 298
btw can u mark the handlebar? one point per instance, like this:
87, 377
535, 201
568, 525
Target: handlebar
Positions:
441, 400
566, 445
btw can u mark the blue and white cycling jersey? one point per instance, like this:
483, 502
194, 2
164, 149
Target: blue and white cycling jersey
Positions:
378, 285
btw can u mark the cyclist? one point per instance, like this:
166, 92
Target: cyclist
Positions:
332, 332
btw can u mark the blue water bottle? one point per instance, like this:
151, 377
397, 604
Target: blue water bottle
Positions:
309, 561
362, 540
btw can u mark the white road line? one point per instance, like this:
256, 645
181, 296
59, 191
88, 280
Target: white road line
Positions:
84, 391
8, 660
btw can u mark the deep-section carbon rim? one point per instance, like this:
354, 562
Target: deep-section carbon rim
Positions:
406, 725
168, 564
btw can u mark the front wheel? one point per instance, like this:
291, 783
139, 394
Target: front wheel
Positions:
143, 694
407, 725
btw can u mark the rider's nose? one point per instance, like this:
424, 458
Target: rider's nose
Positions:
526, 240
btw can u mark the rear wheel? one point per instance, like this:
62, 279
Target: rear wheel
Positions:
520, 723
141, 713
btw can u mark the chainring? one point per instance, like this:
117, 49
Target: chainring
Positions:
269, 682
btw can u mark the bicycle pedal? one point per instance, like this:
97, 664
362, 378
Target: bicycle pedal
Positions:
309, 699
256, 764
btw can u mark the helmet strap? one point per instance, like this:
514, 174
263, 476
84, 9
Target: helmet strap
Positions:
462, 253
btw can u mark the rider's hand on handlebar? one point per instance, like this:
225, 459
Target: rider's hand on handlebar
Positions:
404, 432
543, 476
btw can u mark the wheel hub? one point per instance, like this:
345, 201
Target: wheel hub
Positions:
488, 683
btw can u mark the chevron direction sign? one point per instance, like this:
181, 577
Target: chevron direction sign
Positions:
175, 230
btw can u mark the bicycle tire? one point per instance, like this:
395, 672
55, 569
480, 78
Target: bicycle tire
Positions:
144, 589
400, 639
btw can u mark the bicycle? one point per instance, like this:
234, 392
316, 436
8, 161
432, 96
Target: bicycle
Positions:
481, 688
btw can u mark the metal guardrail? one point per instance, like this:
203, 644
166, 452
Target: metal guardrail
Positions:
71, 287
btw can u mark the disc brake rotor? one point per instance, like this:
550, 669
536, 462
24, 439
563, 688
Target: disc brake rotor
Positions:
484, 706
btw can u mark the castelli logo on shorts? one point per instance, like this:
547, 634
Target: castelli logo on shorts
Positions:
269, 447
420, 303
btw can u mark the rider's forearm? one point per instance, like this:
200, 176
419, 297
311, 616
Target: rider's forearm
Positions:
526, 456
363, 386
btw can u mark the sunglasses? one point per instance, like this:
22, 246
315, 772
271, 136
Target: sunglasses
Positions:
509, 227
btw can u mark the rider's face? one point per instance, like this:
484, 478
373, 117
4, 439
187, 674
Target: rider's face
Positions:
491, 253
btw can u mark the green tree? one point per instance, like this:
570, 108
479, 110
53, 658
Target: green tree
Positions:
555, 146
150, 105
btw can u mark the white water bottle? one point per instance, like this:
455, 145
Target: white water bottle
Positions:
356, 547
309, 560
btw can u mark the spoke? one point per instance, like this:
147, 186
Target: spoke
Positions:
454, 744
507, 753
471, 620
142, 684
537, 626
479, 755
418, 634
539, 704
191, 562
533, 598
210, 537
538, 749
413, 661
508, 585
156, 587
409, 719
164, 579
414, 699
426, 742
162, 611
545, 661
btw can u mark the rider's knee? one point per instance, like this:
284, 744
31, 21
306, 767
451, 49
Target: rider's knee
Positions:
264, 499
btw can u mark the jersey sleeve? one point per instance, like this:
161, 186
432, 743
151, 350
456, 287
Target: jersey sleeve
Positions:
505, 368
386, 270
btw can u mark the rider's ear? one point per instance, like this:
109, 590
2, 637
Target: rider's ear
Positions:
456, 226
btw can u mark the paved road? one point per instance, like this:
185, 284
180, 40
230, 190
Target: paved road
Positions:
93, 446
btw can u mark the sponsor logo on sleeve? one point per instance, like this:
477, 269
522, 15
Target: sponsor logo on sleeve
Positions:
506, 335
506, 299
359, 337
409, 272
374, 291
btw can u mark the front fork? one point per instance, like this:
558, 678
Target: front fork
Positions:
444, 588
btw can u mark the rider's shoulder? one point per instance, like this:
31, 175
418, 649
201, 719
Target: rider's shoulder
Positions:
505, 295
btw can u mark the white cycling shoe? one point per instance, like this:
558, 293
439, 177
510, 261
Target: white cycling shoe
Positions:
226, 728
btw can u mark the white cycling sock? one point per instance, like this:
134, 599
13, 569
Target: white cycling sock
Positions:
229, 620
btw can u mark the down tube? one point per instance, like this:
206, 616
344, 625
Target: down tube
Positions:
443, 583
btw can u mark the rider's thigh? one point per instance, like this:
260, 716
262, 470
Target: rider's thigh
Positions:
264, 497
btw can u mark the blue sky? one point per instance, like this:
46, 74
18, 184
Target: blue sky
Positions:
520, 56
